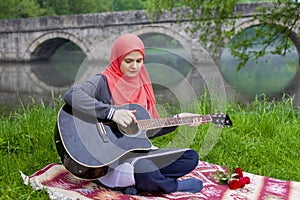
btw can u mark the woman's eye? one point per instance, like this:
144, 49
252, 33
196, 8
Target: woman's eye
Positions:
128, 61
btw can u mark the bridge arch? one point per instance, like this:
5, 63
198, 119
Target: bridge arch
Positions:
294, 36
182, 39
204, 73
199, 78
45, 45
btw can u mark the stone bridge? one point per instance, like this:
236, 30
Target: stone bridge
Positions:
24, 41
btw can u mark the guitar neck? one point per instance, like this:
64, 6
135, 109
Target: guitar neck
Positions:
147, 124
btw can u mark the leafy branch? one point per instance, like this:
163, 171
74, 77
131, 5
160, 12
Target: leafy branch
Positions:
213, 23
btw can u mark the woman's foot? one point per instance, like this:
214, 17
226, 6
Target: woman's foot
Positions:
131, 190
189, 185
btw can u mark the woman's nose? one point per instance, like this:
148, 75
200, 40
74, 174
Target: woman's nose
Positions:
134, 64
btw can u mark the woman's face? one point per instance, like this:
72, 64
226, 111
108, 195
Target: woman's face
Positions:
132, 63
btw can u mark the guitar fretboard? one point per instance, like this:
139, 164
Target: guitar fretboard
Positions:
147, 124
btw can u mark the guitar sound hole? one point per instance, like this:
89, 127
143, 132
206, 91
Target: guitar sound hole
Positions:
130, 130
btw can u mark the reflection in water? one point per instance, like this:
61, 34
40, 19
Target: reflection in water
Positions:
66, 63
165, 67
270, 74
165, 59
63, 67
60, 70
166, 62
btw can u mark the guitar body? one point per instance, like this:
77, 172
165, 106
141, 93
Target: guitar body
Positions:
87, 146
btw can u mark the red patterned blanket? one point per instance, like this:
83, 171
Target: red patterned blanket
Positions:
60, 184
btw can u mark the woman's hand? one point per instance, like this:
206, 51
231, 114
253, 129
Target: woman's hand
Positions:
124, 117
197, 120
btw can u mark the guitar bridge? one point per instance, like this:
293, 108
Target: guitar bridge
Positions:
102, 132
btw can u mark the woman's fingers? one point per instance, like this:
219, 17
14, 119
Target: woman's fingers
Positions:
124, 117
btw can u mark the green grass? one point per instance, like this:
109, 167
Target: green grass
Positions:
26, 144
264, 139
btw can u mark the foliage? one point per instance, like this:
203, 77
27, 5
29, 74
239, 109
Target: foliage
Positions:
214, 23
67, 7
12, 9
261, 75
124, 5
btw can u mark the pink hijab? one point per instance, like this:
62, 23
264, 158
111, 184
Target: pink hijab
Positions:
125, 89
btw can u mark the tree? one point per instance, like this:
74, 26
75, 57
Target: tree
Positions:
68, 7
125, 5
11, 9
90, 6
215, 21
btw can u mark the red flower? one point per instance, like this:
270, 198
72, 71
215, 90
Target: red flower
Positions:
234, 178
242, 182
234, 184
239, 172
246, 179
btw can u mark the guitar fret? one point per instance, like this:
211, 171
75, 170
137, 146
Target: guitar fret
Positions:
162, 123
171, 121
153, 123
142, 124
146, 124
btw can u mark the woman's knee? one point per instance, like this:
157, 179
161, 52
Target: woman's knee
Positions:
144, 166
192, 156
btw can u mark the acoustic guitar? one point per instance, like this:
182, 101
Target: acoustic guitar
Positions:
87, 145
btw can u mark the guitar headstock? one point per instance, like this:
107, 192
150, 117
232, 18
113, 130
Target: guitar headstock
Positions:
221, 120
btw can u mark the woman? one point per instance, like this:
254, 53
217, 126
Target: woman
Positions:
126, 81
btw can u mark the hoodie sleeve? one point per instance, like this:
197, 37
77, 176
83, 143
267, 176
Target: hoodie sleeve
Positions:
91, 97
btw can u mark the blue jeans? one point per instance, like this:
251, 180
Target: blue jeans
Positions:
149, 177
